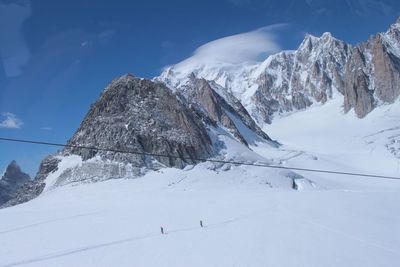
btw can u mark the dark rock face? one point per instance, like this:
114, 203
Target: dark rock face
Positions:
14, 176
33, 188
26, 192
131, 114
219, 106
373, 72
357, 93
140, 115
387, 72
386, 62
134, 114
5, 195
11, 181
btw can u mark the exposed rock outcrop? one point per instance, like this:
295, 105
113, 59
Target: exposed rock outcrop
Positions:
33, 188
219, 106
143, 116
134, 114
12, 180
373, 72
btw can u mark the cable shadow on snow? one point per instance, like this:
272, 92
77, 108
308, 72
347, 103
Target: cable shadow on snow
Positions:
78, 250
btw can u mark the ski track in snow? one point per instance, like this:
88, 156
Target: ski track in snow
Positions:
78, 250
341, 233
118, 242
44, 222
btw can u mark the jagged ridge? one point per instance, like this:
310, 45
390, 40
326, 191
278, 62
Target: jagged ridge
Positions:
321, 68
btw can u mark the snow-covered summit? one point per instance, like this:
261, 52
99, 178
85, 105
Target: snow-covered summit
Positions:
283, 82
320, 69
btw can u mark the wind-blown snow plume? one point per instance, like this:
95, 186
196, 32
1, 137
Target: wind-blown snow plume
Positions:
235, 49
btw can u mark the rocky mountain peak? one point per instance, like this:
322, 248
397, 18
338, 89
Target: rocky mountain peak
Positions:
327, 36
12, 179
286, 81
396, 24
14, 175
13, 165
142, 106
326, 43
308, 43
137, 115
123, 80
221, 107
391, 38
164, 127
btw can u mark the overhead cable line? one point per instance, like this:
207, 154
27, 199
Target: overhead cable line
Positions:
263, 165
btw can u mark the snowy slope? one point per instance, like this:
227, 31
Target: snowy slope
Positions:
371, 140
117, 223
253, 216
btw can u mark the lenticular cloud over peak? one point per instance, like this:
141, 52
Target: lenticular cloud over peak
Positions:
236, 49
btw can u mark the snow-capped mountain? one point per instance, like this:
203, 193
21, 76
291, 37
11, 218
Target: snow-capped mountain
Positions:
284, 82
320, 69
196, 111
199, 121
343, 213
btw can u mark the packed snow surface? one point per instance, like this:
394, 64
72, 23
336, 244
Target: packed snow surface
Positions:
252, 216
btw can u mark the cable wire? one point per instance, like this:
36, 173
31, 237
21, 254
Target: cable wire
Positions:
264, 165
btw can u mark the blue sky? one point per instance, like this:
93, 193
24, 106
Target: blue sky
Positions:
57, 56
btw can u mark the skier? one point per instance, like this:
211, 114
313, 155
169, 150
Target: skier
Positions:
201, 223
162, 230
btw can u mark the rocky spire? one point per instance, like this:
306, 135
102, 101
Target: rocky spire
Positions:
12, 179
373, 72
14, 175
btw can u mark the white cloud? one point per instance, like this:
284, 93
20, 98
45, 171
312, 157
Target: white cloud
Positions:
10, 121
244, 47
